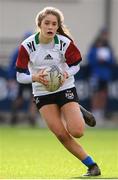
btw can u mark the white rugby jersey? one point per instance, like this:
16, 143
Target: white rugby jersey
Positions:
35, 56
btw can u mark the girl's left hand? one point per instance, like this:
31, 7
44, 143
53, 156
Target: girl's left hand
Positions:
65, 76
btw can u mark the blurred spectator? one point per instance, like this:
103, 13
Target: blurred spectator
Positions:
3, 91
17, 92
100, 60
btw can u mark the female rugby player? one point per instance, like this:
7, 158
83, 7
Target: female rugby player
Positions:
51, 45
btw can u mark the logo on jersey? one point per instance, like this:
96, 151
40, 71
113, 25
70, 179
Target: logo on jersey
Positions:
31, 46
69, 94
48, 57
62, 45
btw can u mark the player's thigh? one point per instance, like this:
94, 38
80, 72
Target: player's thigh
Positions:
74, 119
52, 115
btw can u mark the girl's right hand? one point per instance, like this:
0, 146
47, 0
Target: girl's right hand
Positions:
40, 77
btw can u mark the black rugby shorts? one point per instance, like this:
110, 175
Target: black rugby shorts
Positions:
59, 98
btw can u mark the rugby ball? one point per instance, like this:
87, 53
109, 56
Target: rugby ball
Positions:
54, 77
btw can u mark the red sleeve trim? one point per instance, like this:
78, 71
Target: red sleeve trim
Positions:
23, 58
72, 54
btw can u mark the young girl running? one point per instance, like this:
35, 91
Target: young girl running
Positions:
51, 45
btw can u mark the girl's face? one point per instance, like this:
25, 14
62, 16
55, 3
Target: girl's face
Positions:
49, 26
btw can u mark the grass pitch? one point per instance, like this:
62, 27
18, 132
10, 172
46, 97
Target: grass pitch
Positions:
27, 153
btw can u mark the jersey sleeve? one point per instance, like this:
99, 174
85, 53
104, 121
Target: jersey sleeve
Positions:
22, 60
72, 55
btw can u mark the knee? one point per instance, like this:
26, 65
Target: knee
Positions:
77, 133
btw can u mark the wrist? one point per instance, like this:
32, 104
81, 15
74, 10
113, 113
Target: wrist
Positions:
33, 78
66, 75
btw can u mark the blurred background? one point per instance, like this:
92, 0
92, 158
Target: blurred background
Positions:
94, 27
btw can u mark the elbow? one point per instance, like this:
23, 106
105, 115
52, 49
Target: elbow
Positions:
18, 79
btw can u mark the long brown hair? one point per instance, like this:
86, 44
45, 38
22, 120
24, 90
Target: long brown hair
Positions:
62, 30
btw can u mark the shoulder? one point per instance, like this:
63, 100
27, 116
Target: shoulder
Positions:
29, 39
62, 42
63, 38
29, 43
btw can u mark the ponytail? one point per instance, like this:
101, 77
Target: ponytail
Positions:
63, 31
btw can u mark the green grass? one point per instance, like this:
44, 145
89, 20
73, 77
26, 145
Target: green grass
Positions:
36, 153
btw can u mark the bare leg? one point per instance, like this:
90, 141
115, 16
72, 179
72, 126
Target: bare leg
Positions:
52, 116
75, 127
